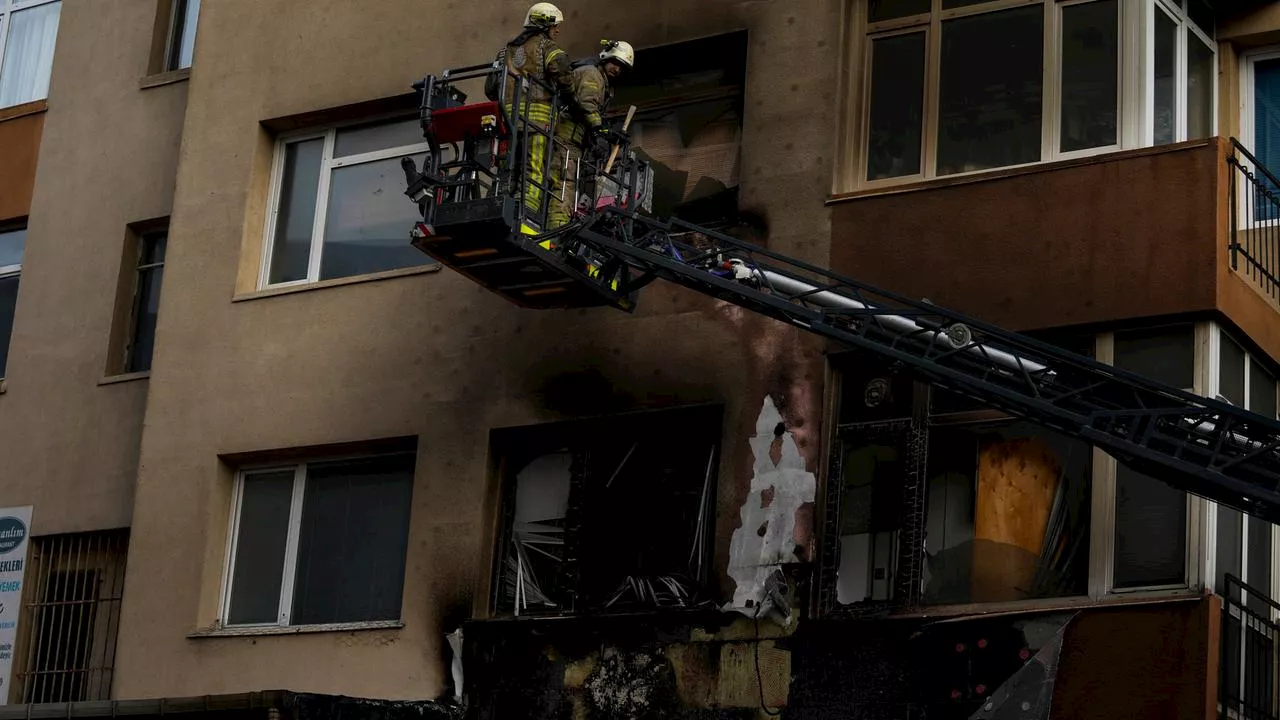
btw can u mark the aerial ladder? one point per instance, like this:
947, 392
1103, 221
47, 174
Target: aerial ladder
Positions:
470, 192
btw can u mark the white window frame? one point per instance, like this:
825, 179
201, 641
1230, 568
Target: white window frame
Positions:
328, 165
1211, 532
1135, 104
284, 607
7, 9
1211, 574
1177, 11
1051, 120
1248, 131
1103, 511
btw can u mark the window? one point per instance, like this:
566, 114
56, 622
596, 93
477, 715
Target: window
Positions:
338, 207
998, 509
146, 301
960, 86
1007, 513
611, 516
184, 15
1243, 543
28, 34
1150, 541
70, 616
12, 245
320, 542
1260, 130
688, 124
1184, 71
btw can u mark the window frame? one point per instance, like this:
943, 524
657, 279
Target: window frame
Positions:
329, 164
1211, 559
7, 272
1177, 11
516, 448
7, 9
173, 39
135, 301
1101, 586
1135, 87
1051, 96
288, 578
1248, 129
1102, 541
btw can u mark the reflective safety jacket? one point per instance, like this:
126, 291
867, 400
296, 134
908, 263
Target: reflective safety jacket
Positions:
592, 92
533, 55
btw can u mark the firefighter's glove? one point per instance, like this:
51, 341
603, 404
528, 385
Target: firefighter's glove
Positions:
601, 142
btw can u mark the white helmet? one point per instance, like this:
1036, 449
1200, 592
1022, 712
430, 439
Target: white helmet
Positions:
620, 51
543, 15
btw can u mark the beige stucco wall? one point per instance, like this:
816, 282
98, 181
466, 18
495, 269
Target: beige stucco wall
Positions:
108, 157
430, 354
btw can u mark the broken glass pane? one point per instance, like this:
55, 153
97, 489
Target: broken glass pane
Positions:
869, 520
537, 533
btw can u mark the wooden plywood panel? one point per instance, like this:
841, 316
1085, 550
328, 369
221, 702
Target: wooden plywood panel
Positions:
1016, 485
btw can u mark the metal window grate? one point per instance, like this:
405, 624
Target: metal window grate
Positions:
71, 614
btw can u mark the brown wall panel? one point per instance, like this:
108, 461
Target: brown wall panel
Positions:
19, 146
1123, 236
1154, 661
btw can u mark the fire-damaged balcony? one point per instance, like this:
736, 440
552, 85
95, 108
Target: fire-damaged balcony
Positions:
1104, 239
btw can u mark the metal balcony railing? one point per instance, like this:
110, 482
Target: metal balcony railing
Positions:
1247, 683
1255, 220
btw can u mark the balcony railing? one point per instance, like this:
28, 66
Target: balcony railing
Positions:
1255, 220
1247, 684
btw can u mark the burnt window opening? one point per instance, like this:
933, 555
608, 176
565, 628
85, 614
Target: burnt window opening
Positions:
934, 499
609, 515
688, 124
1007, 513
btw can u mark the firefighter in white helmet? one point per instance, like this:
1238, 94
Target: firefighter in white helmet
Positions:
583, 126
534, 54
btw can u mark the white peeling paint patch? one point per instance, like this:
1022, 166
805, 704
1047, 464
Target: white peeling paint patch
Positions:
784, 487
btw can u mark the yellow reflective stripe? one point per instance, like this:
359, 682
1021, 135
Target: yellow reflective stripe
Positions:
535, 112
554, 54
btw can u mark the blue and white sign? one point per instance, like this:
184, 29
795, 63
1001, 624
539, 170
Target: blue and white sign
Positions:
15, 527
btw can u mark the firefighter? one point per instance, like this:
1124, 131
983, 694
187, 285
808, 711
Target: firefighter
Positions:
535, 54
582, 127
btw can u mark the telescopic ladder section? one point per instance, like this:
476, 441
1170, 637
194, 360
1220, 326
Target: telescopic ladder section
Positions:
475, 222
1205, 447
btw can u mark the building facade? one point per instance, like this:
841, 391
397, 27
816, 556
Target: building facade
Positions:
267, 445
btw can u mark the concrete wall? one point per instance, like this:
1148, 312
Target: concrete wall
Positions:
108, 157
430, 354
